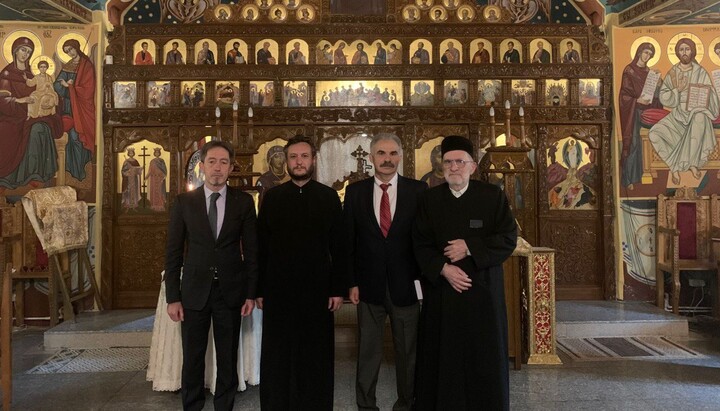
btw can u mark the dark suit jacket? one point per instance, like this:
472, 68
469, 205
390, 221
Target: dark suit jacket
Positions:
376, 263
191, 246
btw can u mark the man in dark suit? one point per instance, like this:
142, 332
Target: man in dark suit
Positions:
212, 237
379, 214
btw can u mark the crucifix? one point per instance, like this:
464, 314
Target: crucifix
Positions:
362, 164
143, 185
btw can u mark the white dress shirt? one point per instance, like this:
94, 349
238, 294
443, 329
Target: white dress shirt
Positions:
220, 205
460, 192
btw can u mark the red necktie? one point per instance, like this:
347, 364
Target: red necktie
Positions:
385, 218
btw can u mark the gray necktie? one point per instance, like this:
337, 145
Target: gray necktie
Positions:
212, 213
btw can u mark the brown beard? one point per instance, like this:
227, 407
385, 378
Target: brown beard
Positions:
685, 59
302, 177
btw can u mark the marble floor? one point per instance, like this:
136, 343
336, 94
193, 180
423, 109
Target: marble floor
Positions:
689, 384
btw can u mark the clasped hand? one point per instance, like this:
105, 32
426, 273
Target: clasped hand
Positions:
456, 277
456, 250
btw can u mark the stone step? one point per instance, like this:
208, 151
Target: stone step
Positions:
103, 329
585, 319
133, 328
575, 319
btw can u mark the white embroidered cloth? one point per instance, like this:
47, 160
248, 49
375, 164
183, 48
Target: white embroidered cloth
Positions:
165, 363
59, 220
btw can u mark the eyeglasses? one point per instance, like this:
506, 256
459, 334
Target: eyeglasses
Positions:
456, 163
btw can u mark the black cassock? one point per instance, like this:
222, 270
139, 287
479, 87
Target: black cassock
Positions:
300, 238
462, 344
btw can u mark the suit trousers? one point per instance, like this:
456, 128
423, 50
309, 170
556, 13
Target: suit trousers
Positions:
226, 332
371, 326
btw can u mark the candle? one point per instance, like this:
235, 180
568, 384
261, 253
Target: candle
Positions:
493, 141
508, 132
250, 112
521, 112
217, 112
235, 106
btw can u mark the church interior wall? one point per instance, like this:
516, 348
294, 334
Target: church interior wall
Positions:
162, 111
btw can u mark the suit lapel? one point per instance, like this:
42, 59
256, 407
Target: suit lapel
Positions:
229, 205
201, 207
367, 196
400, 201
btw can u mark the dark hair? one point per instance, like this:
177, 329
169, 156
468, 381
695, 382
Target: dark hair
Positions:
217, 143
300, 139
717, 47
144, 43
175, 43
43, 63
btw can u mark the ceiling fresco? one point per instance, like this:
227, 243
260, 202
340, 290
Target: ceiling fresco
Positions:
629, 12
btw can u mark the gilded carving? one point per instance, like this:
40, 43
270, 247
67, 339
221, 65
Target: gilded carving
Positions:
576, 243
138, 268
177, 128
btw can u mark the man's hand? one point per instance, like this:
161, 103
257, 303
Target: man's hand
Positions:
259, 303
175, 311
456, 277
456, 250
247, 307
334, 303
682, 84
355, 295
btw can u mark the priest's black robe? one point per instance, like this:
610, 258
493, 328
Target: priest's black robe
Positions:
299, 229
462, 344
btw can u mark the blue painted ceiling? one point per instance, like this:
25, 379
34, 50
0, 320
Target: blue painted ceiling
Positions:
541, 11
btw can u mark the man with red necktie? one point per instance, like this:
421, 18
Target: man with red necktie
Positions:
379, 214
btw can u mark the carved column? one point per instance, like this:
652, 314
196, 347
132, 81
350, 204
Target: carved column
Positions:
221, 57
407, 92
439, 93
311, 90
540, 97
541, 327
175, 93
574, 99
473, 92
251, 54
210, 93
141, 94
108, 95
244, 95
190, 54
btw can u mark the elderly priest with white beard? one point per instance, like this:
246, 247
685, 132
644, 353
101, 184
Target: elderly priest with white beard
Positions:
463, 233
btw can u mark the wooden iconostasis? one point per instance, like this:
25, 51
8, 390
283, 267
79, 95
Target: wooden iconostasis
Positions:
341, 79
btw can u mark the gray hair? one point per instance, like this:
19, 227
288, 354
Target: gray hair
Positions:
385, 136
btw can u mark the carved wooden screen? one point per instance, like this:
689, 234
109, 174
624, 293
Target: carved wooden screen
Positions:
419, 95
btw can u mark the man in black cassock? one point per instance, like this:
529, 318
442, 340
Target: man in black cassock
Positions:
302, 282
463, 232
